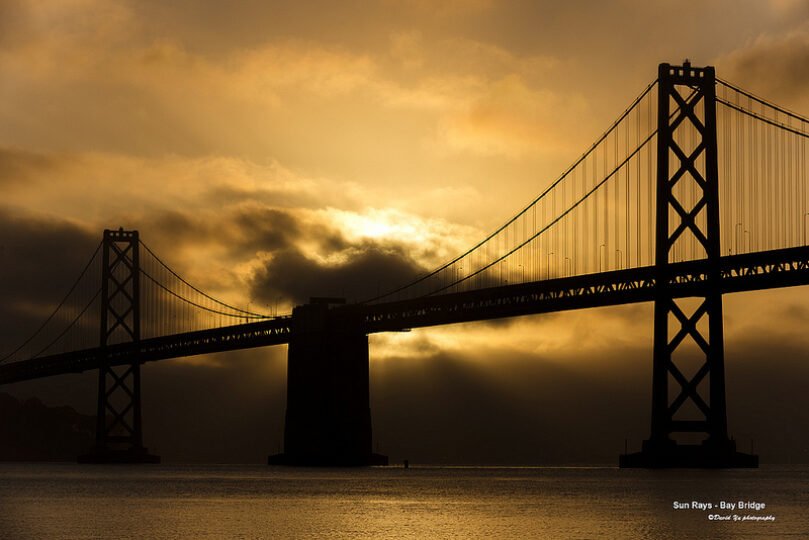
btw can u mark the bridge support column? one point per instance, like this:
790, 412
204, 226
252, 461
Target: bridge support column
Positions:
681, 160
328, 417
119, 437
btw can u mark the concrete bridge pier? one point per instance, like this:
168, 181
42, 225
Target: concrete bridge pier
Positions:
328, 416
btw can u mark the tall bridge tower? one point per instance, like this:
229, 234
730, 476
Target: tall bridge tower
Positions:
680, 159
119, 438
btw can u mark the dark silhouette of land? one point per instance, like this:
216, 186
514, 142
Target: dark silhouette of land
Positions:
32, 431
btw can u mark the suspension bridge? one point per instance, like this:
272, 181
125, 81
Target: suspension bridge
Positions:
696, 190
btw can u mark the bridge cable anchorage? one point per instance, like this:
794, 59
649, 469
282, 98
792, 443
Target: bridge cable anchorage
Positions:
531, 205
58, 307
245, 312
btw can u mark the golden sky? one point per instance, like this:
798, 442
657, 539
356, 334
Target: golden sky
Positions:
287, 149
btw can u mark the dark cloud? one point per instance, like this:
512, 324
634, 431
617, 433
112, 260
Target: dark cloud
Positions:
243, 231
367, 271
269, 229
40, 258
180, 227
772, 66
290, 273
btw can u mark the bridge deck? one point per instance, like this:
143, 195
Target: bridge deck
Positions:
228, 338
746, 272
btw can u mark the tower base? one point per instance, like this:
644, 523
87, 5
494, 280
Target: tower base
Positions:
137, 454
692, 456
328, 461
328, 416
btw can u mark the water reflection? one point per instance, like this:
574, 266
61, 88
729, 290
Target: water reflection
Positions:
197, 501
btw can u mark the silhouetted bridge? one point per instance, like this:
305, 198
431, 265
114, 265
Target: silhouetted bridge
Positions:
628, 222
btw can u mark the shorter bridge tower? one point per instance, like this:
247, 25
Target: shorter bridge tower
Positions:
119, 437
691, 93
328, 417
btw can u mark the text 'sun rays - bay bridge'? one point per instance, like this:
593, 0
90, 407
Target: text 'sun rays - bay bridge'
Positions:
697, 189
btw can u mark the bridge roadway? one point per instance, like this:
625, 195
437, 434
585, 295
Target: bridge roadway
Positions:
745, 272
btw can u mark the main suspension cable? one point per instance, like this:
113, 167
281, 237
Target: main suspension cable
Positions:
564, 175
554, 221
75, 320
761, 118
58, 307
245, 314
763, 101
256, 315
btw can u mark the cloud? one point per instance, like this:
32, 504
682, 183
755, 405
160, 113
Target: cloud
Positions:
368, 271
512, 119
100, 188
40, 257
220, 222
444, 9
297, 253
24, 167
145, 95
772, 65
90, 76
508, 111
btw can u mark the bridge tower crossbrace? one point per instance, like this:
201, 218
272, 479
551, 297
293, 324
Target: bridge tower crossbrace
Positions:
692, 91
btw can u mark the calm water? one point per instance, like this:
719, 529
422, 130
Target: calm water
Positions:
220, 501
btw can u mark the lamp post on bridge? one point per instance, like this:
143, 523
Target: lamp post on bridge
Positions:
804, 227
738, 227
600, 258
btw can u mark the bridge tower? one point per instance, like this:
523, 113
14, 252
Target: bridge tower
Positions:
692, 93
328, 416
119, 436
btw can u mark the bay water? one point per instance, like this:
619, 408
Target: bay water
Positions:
69, 501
